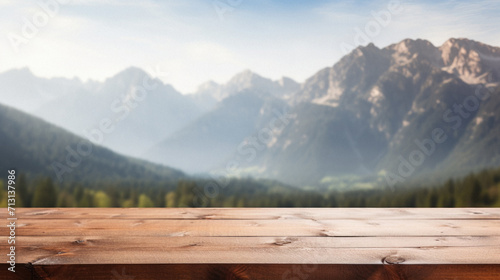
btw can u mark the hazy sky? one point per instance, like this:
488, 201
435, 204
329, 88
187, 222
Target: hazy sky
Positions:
202, 40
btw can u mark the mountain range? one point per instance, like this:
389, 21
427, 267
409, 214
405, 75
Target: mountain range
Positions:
404, 110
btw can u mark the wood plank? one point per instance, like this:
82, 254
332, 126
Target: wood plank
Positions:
125, 241
135, 246
258, 213
116, 227
277, 255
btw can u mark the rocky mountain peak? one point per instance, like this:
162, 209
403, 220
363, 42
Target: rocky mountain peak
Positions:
206, 87
364, 51
288, 84
413, 46
130, 76
410, 49
247, 78
472, 61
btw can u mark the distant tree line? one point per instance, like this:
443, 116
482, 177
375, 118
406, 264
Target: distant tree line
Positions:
475, 190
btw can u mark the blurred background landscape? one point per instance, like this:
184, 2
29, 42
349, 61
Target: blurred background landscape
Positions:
385, 113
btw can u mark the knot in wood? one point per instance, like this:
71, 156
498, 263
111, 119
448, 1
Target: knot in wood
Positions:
393, 260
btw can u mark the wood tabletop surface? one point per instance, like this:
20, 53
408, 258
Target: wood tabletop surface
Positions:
253, 243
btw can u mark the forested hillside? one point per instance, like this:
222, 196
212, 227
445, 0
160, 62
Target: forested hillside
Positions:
474, 190
35, 147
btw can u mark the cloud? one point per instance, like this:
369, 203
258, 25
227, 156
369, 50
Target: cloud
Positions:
441, 20
95, 39
113, 3
4, 3
209, 52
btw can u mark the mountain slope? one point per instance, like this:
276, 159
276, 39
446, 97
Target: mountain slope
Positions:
321, 141
33, 146
478, 146
205, 143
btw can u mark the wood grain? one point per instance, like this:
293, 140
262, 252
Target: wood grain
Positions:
254, 243
304, 227
259, 213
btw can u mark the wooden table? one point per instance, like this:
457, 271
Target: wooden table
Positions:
253, 243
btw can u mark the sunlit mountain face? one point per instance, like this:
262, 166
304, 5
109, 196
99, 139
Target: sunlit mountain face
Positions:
373, 112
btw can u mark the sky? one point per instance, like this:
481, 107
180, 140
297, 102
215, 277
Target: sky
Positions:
194, 41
